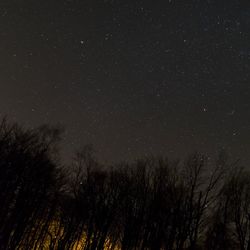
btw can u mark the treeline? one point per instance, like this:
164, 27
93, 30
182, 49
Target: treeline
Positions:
153, 203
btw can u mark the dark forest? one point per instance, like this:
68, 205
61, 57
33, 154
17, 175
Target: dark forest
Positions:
152, 203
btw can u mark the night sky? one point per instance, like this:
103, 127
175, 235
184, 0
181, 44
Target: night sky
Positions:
131, 77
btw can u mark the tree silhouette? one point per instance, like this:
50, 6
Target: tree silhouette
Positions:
28, 178
152, 203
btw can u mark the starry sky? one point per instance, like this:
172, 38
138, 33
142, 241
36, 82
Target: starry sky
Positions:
132, 77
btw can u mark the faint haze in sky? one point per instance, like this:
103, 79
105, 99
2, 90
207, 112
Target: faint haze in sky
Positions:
131, 77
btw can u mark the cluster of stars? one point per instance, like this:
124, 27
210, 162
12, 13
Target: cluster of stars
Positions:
130, 77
